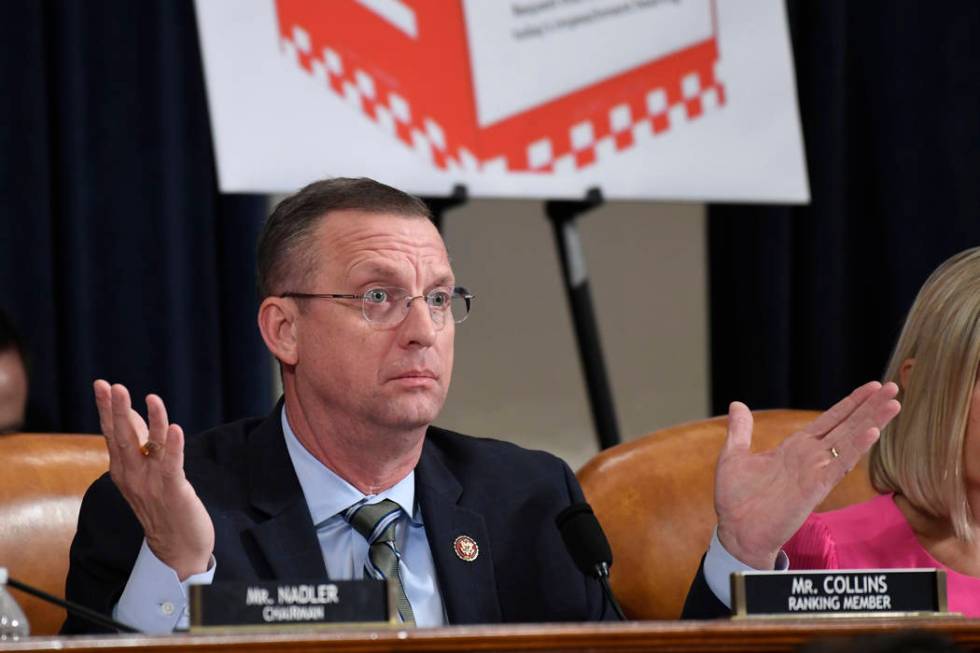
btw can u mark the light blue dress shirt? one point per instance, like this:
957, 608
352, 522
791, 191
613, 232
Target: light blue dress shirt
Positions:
155, 600
345, 551
719, 565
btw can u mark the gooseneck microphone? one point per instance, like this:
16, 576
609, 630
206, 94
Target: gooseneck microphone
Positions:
73, 608
588, 546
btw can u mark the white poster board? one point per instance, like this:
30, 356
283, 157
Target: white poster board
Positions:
647, 99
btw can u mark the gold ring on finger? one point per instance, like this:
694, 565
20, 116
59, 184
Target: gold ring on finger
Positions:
149, 448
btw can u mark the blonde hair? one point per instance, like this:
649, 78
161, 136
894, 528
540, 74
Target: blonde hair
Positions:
920, 453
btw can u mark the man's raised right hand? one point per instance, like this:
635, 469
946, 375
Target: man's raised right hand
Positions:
146, 462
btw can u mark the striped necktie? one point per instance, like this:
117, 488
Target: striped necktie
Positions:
376, 522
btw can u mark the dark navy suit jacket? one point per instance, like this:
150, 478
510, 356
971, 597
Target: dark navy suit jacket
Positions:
701, 602
504, 497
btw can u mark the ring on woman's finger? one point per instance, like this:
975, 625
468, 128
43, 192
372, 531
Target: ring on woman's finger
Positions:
149, 448
833, 452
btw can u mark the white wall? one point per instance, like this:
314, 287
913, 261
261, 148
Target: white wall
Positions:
517, 373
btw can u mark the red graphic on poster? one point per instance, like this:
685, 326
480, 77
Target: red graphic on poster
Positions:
416, 83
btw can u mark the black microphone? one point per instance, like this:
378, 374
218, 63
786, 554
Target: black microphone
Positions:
588, 546
73, 608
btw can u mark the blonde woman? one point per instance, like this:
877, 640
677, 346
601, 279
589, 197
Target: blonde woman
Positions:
926, 464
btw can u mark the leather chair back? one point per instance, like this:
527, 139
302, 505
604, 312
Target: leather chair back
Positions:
654, 497
41, 488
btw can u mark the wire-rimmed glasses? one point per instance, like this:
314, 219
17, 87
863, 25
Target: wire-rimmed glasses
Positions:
387, 306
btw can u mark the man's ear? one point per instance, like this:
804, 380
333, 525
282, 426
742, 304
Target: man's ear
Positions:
905, 372
277, 317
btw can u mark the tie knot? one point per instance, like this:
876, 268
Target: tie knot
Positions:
375, 521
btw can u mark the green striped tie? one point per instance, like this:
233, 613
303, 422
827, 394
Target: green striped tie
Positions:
376, 522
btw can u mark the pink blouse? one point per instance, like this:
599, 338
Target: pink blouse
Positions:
873, 535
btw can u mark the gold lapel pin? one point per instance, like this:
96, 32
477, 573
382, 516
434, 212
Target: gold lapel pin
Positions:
466, 548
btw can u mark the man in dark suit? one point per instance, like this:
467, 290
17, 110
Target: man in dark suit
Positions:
359, 305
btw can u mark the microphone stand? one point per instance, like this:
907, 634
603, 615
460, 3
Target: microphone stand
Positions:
602, 573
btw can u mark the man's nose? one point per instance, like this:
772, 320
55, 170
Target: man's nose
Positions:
418, 328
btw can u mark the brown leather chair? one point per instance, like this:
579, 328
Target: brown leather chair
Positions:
41, 488
654, 498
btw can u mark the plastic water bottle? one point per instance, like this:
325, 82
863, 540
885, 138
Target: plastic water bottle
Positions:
13, 623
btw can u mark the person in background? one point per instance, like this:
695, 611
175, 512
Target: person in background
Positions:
925, 466
13, 378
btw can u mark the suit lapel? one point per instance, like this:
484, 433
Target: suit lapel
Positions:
287, 537
469, 589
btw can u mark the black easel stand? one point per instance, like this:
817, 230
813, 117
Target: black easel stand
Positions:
439, 205
562, 214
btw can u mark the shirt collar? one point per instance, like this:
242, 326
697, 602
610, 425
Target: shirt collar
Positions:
328, 494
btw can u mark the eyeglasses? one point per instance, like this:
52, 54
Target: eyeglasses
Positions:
387, 306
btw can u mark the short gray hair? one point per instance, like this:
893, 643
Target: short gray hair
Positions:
284, 255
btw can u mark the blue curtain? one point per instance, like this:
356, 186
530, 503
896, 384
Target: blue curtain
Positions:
118, 256
807, 301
